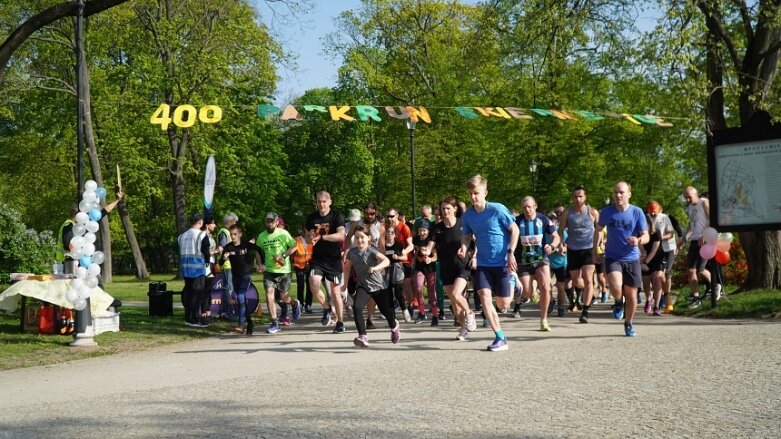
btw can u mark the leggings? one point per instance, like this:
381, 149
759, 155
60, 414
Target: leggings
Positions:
383, 302
430, 279
397, 291
240, 286
303, 293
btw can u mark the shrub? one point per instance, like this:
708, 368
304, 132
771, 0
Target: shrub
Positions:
23, 249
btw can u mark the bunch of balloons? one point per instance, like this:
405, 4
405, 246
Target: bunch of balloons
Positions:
716, 245
82, 246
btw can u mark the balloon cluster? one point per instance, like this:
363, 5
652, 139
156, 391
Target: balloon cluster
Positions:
716, 245
82, 246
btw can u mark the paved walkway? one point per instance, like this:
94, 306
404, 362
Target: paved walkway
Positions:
678, 378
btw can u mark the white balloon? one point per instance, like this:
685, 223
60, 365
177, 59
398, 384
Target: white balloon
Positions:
71, 295
88, 249
92, 226
85, 206
79, 229
90, 185
77, 284
82, 217
91, 281
77, 241
89, 196
93, 269
98, 257
81, 273
89, 237
79, 304
76, 252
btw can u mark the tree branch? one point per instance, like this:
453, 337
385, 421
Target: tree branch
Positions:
46, 17
714, 22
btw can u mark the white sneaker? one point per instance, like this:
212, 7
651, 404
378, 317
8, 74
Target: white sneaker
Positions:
407, 316
717, 291
471, 323
463, 335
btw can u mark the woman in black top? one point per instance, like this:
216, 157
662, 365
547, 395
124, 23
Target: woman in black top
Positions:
243, 257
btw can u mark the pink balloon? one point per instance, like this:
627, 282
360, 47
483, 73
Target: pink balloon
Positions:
708, 251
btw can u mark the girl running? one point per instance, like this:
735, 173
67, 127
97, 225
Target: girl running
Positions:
241, 256
368, 263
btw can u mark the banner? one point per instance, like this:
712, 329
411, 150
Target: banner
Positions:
184, 116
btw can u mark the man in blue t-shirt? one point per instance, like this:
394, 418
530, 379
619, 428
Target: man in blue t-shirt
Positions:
626, 231
496, 236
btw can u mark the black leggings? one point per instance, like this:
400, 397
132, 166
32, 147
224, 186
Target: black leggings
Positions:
383, 302
397, 291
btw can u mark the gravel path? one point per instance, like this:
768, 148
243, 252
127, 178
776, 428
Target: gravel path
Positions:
678, 378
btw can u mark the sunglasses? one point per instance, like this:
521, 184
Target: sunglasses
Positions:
370, 213
390, 216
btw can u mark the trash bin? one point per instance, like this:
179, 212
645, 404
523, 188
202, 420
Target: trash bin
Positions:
161, 301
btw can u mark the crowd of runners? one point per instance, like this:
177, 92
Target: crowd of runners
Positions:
378, 260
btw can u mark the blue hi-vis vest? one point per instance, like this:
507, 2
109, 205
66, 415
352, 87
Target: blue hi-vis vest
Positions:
191, 261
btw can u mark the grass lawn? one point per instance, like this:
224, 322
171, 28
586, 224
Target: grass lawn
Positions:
755, 304
129, 289
138, 332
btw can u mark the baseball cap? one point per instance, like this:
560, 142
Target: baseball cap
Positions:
355, 215
272, 216
424, 224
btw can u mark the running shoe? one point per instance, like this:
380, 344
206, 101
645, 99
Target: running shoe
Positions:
361, 341
629, 329
339, 328
562, 311
250, 327
296, 309
326, 317
718, 291
441, 315
668, 309
370, 324
536, 297
456, 324
273, 328
308, 309
603, 298
551, 306
396, 333
499, 344
649, 306
517, 314
657, 312
471, 323
663, 301
695, 304
544, 327
463, 335
420, 318
407, 316
284, 321
583, 317
434, 321
618, 311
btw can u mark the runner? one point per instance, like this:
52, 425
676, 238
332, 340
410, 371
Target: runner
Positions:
368, 264
327, 229
277, 245
223, 239
558, 267
532, 254
454, 269
395, 273
496, 235
241, 255
653, 264
377, 235
626, 230
404, 237
425, 273
579, 220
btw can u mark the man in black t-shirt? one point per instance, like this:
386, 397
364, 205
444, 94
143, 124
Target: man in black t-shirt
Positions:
327, 229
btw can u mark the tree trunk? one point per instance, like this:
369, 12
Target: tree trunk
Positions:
178, 147
764, 259
138, 258
105, 232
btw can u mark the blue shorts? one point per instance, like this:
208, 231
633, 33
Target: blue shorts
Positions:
496, 279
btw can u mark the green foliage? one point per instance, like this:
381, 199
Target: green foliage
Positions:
23, 249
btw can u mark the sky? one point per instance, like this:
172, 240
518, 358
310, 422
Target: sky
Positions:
304, 39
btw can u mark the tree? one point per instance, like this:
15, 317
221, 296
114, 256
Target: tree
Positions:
755, 69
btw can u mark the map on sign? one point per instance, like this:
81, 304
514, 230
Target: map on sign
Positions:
749, 183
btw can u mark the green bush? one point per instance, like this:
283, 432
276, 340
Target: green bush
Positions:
22, 249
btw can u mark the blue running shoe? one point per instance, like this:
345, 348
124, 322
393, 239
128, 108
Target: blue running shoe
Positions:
273, 328
296, 309
326, 317
629, 329
499, 344
618, 312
